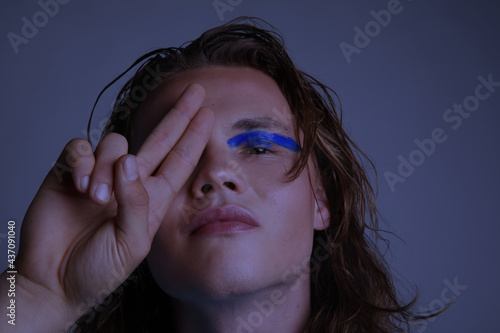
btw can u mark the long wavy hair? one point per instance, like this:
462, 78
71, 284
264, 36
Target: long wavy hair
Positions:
352, 288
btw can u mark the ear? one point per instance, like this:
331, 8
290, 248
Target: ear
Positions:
322, 211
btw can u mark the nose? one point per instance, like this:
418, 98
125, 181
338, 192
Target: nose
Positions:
218, 175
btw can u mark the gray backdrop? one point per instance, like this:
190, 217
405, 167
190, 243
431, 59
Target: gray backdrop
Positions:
414, 88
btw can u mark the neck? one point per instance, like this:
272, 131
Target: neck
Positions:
282, 308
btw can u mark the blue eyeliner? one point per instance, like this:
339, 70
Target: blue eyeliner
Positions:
264, 139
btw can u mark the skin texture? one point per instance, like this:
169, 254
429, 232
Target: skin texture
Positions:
218, 276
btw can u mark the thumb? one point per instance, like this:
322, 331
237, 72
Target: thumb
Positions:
132, 231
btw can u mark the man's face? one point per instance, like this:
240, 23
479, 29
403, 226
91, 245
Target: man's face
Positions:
259, 224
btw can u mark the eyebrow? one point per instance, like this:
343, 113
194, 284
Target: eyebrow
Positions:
259, 123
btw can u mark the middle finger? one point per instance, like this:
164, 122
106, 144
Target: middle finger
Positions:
166, 134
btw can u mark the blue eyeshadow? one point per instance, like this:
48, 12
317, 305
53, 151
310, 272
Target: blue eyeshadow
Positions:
264, 139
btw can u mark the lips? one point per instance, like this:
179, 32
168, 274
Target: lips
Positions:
227, 219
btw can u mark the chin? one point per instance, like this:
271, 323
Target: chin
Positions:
217, 281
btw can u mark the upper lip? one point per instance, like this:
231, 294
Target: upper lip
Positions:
221, 214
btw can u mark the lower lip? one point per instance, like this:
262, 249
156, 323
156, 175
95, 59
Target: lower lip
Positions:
224, 228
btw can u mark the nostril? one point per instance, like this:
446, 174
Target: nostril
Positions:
206, 188
230, 185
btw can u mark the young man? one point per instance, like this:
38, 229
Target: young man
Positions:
225, 197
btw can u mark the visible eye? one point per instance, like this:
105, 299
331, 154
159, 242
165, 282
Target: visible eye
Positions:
259, 150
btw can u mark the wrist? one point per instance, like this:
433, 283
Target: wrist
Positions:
33, 307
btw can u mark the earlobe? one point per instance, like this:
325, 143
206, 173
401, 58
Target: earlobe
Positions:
322, 211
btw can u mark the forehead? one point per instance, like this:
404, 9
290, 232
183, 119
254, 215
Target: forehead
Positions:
234, 93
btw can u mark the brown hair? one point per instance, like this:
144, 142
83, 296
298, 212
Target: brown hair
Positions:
351, 288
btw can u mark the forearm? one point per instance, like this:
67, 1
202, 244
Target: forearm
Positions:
28, 307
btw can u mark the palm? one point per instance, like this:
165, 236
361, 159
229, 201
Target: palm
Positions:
113, 252
76, 245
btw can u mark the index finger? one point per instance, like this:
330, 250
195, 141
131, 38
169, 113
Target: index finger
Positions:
166, 134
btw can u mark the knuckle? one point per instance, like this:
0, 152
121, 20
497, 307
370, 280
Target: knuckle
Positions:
199, 132
77, 151
144, 164
185, 156
111, 147
163, 138
78, 146
180, 112
139, 198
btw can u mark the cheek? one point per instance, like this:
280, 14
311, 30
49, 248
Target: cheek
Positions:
270, 183
287, 205
288, 211
293, 207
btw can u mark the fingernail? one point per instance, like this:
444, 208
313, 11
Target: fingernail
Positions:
84, 183
130, 168
102, 192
